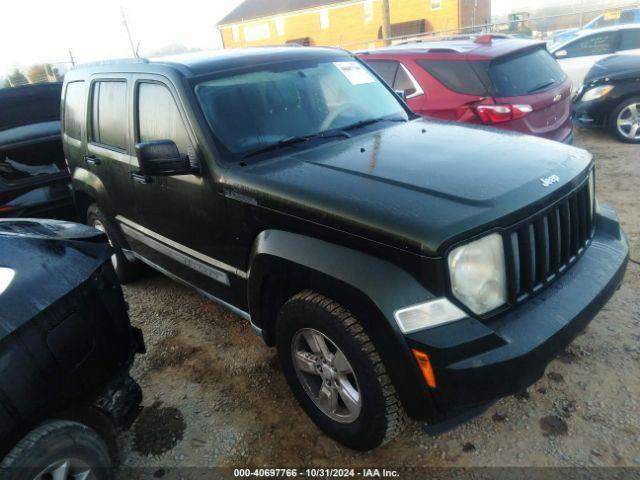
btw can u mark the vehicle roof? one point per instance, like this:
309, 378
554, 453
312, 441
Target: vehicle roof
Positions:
623, 26
470, 48
199, 63
594, 31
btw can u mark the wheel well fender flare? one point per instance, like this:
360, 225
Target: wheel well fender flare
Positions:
87, 185
386, 285
370, 287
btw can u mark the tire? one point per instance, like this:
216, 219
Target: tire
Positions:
627, 115
378, 416
54, 447
127, 271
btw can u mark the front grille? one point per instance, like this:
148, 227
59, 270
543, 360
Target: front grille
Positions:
540, 249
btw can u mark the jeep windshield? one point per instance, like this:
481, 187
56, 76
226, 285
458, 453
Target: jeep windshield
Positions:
277, 106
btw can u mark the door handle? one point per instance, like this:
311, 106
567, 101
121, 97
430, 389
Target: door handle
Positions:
92, 160
143, 179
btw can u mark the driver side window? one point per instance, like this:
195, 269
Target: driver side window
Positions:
159, 117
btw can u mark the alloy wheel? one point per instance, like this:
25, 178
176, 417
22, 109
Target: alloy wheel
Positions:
326, 375
628, 122
66, 469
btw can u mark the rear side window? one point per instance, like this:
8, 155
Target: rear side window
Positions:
630, 39
597, 44
404, 83
387, 69
109, 114
159, 117
457, 76
74, 110
533, 72
395, 75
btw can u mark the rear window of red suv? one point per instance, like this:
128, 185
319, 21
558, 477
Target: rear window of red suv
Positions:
525, 74
456, 75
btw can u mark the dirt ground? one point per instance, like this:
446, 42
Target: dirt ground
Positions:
214, 395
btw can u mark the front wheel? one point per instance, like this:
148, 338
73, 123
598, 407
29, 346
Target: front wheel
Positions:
58, 450
335, 372
624, 122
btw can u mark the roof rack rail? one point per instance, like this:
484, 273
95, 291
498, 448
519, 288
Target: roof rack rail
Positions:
113, 61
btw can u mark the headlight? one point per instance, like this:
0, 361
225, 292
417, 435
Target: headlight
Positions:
596, 93
426, 315
477, 272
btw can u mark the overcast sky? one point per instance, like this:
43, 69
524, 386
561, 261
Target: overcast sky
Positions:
45, 30
34, 31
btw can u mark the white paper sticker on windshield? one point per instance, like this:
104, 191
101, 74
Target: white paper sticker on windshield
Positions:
354, 72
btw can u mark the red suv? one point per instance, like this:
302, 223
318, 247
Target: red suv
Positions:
509, 83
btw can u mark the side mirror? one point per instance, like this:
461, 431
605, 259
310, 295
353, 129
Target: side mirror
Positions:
161, 158
560, 54
402, 94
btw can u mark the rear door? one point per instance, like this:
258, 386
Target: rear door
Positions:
629, 41
580, 54
109, 153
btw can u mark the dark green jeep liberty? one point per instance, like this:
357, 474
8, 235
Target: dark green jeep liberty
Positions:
403, 267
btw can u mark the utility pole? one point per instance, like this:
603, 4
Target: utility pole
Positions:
126, 27
73, 60
386, 22
581, 13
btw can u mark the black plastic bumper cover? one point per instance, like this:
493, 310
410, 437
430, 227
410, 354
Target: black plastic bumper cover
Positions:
476, 363
121, 400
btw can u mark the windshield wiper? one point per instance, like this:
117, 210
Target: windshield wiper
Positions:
285, 142
370, 121
279, 144
541, 86
338, 132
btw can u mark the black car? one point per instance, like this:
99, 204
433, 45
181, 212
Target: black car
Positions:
66, 346
34, 179
610, 97
400, 265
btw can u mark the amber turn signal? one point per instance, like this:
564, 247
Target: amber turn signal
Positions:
425, 367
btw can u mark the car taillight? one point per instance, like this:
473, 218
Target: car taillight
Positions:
501, 113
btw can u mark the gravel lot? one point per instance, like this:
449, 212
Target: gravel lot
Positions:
214, 395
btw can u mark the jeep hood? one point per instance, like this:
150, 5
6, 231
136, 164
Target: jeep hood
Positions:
415, 185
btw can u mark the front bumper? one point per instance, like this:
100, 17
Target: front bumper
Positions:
568, 139
476, 363
120, 401
592, 114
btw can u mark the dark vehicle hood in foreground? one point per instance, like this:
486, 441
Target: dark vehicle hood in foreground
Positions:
615, 67
29, 104
40, 262
416, 185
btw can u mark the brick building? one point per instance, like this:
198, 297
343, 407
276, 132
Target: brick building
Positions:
351, 24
